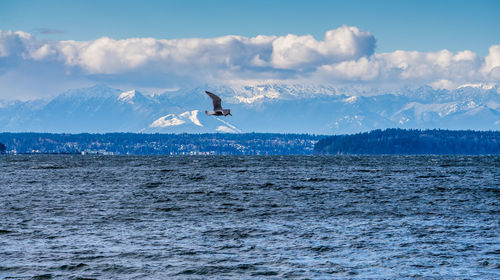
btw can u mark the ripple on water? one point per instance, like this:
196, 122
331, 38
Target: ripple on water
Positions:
316, 217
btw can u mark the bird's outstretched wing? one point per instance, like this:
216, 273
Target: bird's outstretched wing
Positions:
215, 100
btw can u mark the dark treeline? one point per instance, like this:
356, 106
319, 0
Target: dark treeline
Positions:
390, 141
401, 141
159, 144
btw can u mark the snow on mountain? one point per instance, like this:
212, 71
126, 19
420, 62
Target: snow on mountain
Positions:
192, 116
127, 96
174, 120
257, 108
168, 120
486, 86
224, 129
493, 105
227, 127
351, 99
418, 109
258, 97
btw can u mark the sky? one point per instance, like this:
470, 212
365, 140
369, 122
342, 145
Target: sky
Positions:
49, 46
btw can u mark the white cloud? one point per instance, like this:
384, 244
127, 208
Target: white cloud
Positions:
363, 69
407, 67
228, 53
345, 55
344, 43
13, 43
492, 63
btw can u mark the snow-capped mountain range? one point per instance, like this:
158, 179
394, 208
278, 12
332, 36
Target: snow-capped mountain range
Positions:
261, 108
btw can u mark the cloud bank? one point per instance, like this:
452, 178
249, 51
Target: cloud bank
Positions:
345, 55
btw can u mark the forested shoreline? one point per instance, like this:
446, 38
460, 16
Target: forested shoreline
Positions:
413, 141
389, 141
159, 144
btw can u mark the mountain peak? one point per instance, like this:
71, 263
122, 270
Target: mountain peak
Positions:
96, 91
485, 86
175, 120
127, 96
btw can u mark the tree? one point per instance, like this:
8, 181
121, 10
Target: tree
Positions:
2, 148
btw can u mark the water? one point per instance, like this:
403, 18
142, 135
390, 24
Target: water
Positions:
160, 217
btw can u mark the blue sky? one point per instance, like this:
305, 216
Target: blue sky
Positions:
408, 25
49, 46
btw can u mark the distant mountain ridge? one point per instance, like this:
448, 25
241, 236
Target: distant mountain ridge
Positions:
262, 108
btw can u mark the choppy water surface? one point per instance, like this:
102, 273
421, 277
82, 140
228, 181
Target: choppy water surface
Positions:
247, 217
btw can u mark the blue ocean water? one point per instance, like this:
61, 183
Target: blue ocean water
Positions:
246, 217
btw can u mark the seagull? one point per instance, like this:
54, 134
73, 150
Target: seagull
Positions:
218, 111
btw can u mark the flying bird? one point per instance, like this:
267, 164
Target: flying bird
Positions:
218, 111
